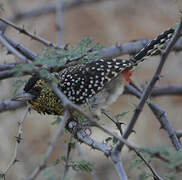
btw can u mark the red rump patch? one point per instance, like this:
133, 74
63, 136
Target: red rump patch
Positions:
126, 74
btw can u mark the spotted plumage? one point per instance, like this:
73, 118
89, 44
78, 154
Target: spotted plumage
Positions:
97, 83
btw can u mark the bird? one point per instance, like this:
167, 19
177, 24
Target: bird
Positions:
97, 83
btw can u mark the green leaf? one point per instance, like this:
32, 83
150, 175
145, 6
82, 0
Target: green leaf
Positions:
17, 84
175, 26
2, 176
108, 139
82, 166
135, 162
1, 7
119, 116
57, 161
57, 121
114, 140
176, 159
143, 176
171, 176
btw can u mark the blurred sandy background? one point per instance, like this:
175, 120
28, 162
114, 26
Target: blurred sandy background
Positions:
108, 22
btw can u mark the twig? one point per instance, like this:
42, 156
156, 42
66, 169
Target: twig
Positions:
148, 164
175, 90
115, 156
66, 167
11, 48
132, 48
8, 105
43, 165
83, 137
162, 117
151, 84
22, 49
59, 22
31, 35
167, 91
7, 66
68, 105
19, 137
84, 157
118, 166
117, 124
50, 8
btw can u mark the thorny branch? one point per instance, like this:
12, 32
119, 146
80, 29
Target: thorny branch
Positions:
150, 86
162, 117
31, 35
43, 165
66, 167
115, 155
18, 137
84, 157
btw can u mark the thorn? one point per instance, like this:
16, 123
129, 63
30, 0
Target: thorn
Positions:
19, 123
118, 46
29, 109
16, 160
161, 127
107, 155
133, 131
66, 46
121, 123
18, 139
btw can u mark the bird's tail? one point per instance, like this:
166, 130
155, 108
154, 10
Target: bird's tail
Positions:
154, 46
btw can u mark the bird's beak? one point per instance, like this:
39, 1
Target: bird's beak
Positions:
23, 97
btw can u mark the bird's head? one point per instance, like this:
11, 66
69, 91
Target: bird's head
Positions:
40, 97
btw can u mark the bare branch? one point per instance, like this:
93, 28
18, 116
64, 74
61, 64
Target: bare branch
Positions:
132, 48
31, 35
115, 156
11, 48
84, 157
148, 164
8, 105
167, 91
43, 165
68, 105
25, 51
175, 90
66, 167
163, 119
161, 115
19, 137
151, 84
119, 166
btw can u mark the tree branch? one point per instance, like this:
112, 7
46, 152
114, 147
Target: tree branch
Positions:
31, 35
43, 165
18, 140
151, 84
161, 115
